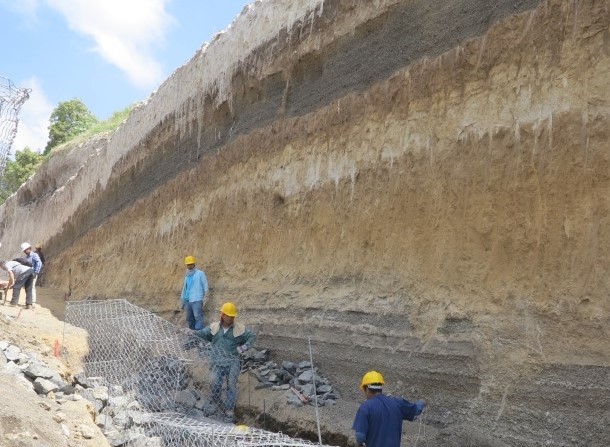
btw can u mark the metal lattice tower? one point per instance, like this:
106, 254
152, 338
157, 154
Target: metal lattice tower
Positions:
155, 368
11, 100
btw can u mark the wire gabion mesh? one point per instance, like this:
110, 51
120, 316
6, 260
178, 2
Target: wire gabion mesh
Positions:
158, 376
11, 100
170, 429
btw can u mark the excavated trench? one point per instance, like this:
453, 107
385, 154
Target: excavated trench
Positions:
253, 417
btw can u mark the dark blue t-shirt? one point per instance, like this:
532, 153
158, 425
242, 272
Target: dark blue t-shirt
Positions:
380, 419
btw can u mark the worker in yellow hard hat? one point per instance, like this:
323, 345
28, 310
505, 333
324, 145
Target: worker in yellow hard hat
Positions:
193, 294
378, 422
229, 339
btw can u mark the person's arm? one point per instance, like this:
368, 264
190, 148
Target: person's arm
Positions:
36, 263
183, 296
360, 438
11, 279
421, 404
411, 410
204, 333
361, 426
204, 285
250, 337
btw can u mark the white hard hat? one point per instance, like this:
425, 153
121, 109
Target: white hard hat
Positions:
25, 246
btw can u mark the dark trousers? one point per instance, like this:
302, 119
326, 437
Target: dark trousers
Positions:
26, 280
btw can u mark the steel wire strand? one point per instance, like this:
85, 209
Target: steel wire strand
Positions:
163, 370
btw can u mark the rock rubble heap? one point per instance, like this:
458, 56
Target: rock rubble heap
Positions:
303, 384
33, 375
125, 413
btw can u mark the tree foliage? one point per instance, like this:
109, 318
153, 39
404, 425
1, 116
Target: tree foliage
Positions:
17, 171
68, 119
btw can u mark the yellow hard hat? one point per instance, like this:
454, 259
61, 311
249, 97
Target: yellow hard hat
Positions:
372, 378
189, 260
229, 309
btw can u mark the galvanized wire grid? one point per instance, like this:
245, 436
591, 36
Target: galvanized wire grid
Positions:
11, 100
160, 371
170, 429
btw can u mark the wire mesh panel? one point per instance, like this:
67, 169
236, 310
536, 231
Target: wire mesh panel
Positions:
133, 348
162, 381
178, 430
11, 100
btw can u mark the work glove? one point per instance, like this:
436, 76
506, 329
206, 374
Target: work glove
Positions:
243, 348
421, 404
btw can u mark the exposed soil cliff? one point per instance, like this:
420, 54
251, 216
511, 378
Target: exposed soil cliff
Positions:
419, 187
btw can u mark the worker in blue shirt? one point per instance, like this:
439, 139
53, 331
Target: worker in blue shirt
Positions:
193, 294
378, 422
36, 262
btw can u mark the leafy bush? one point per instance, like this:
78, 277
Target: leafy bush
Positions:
17, 171
68, 119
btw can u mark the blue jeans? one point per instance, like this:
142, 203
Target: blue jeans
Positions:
230, 373
26, 280
194, 314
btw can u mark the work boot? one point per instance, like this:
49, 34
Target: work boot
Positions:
28, 306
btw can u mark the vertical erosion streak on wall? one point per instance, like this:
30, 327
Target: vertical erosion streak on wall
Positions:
455, 213
471, 174
296, 64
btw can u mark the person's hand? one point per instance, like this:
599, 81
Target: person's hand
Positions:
192, 340
243, 348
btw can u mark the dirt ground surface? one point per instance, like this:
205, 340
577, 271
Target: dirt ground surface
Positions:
30, 420
27, 419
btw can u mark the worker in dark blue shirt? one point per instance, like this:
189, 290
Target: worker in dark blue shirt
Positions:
378, 422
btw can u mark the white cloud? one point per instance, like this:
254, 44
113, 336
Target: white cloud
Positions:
33, 128
124, 31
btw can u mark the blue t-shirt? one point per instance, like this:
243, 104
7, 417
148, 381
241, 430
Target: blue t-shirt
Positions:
380, 419
195, 286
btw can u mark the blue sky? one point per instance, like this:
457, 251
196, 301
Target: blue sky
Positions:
108, 53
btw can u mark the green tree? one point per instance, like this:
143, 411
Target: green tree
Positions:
68, 119
17, 171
